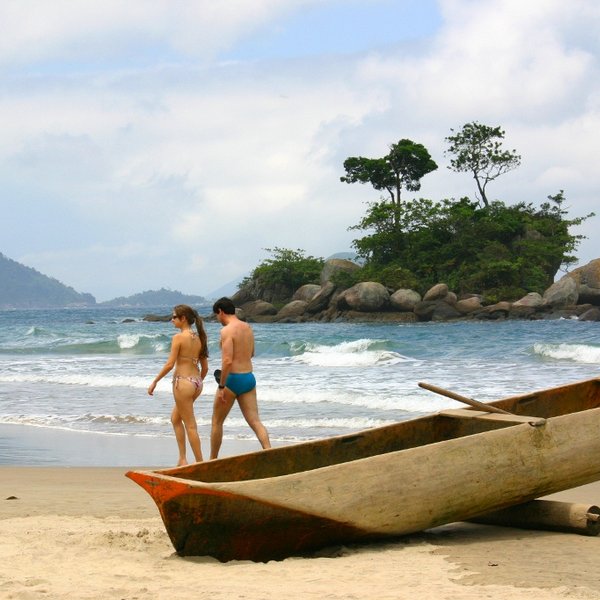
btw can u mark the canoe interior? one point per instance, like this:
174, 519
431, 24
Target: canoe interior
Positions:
430, 429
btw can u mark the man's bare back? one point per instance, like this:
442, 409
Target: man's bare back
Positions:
240, 337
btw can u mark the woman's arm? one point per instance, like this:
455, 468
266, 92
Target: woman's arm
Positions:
203, 367
175, 345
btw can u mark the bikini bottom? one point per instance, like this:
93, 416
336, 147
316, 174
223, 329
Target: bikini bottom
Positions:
197, 381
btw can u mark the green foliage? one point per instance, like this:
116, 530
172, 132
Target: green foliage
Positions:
393, 276
283, 273
476, 149
552, 223
500, 251
345, 279
402, 168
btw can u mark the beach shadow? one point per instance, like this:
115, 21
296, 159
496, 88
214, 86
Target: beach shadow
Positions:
493, 555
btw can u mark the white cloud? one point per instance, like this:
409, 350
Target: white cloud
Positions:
193, 167
37, 31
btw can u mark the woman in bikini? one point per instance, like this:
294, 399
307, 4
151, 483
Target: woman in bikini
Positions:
189, 356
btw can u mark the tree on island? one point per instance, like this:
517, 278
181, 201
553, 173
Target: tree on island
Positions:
276, 279
498, 250
402, 168
477, 149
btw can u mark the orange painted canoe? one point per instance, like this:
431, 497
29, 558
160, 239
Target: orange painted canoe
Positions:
449, 466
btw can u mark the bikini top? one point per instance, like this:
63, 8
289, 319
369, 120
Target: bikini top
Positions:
194, 360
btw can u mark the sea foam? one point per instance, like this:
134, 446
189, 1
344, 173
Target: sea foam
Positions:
79, 379
581, 353
357, 353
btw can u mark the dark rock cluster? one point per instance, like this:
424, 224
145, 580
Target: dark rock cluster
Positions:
576, 296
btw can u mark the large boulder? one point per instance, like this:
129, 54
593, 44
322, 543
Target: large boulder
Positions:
500, 310
366, 296
243, 296
436, 310
404, 300
533, 299
522, 312
587, 279
444, 311
258, 289
292, 310
466, 306
592, 314
258, 308
336, 265
437, 292
527, 306
320, 301
451, 298
562, 293
307, 292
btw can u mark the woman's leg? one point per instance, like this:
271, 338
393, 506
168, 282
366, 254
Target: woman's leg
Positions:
185, 394
179, 435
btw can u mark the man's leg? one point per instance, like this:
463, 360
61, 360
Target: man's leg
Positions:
249, 407
221, 409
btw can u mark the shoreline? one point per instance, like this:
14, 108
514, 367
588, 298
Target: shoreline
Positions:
32, 446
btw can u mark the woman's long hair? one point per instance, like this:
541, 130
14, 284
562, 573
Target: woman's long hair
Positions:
192, 316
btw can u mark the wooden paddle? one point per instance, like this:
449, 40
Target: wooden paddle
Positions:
464, 399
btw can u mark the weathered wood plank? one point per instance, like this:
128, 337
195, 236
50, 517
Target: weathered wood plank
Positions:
465, 413
549, 515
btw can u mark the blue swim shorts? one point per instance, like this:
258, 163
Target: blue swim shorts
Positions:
240, 383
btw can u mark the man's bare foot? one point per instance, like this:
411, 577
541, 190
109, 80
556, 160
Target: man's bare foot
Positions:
182, 462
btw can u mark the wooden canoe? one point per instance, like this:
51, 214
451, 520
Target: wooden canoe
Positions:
413, 475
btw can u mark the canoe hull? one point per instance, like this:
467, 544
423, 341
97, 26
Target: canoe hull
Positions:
247, 529
386, 494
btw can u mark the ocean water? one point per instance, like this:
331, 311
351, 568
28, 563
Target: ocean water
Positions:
87, 370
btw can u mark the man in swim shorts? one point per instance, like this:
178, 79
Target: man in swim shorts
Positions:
236, 380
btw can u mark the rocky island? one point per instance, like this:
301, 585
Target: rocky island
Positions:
576, 296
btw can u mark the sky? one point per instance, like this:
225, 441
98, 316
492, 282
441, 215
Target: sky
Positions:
171, 143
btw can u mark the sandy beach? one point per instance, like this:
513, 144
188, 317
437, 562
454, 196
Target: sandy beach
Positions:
89, 532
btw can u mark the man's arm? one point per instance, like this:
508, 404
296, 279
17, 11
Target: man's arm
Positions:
226, 356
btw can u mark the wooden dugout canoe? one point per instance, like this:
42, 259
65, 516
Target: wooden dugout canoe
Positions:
449, 466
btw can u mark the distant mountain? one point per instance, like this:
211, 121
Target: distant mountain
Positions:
228, 290
153, 298
24, 287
